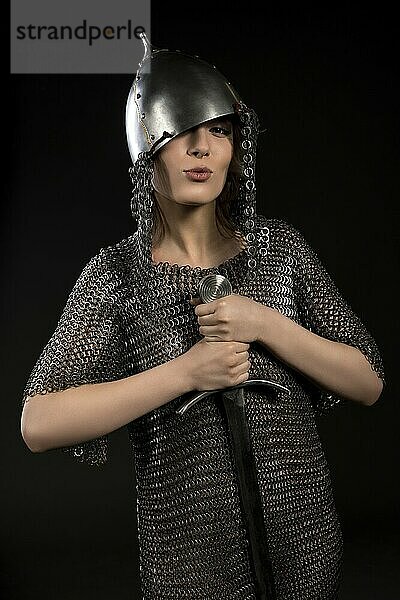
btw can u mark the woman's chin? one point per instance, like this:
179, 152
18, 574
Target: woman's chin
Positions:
193, 201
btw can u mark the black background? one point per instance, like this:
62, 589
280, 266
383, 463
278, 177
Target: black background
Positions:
325, 86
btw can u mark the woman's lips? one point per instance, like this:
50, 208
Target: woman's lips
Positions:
198, 175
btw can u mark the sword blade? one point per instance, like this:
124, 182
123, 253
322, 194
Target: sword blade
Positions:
211, 287
250, 497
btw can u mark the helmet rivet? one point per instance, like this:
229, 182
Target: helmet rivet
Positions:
143, 116
152, 137
138, 95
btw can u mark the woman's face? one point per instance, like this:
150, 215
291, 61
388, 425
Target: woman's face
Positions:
191, 169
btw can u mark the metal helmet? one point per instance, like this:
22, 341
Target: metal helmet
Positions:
173, 92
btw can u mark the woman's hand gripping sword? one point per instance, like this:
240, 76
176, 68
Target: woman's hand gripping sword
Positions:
212, 287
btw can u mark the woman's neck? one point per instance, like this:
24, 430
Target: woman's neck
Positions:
192, 237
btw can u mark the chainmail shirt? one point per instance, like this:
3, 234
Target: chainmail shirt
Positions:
125, 315
192, 538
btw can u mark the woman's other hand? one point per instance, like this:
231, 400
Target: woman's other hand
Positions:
216, 365
231, 318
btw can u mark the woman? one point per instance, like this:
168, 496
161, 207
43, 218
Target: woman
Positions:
134, 340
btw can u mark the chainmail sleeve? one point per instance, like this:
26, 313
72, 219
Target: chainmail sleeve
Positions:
325, 312
85, 346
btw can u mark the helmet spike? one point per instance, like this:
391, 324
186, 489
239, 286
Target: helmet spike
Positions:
147, 46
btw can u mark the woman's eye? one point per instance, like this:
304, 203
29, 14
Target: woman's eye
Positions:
221, 130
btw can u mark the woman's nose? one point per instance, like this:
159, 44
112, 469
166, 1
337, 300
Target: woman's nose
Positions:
198, 143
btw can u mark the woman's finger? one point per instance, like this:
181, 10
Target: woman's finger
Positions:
213, 338
244, 354
209, 331
240, 346
242, 368
205, 309
207, 320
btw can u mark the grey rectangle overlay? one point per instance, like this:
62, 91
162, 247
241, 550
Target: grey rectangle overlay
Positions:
77, 36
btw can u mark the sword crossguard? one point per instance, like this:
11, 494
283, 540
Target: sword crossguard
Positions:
210, 288
249, 383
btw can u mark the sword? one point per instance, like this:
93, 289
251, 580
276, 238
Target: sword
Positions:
212, 287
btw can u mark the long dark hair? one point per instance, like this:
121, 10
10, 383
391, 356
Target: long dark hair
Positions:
225, 200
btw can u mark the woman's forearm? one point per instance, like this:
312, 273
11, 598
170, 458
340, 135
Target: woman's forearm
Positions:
83, 413
333, 366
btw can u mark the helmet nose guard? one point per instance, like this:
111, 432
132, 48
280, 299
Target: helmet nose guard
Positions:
173, 92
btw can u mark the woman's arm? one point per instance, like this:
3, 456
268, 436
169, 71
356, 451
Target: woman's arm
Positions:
333, 366
321, 337
82, 413
78, 414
